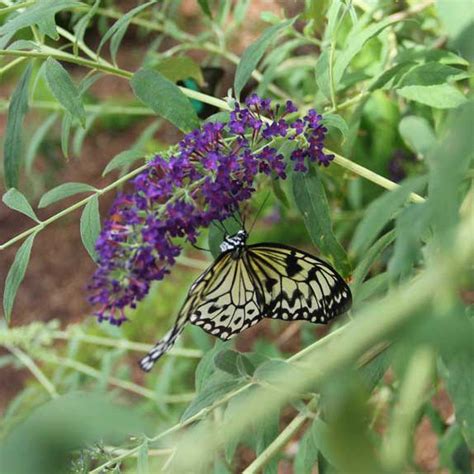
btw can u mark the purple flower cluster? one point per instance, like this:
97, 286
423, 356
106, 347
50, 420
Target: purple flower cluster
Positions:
212, 172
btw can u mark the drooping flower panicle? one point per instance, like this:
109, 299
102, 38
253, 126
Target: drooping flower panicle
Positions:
212, 172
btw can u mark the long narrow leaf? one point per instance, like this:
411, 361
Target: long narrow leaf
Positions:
16, 114
15, 275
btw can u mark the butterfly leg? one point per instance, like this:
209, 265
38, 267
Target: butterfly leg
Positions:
164, 345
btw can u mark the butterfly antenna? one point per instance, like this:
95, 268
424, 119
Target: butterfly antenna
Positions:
259, 211
222, 226
239, 220
200, 248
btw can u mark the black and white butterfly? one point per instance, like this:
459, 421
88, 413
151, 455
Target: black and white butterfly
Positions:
247, 283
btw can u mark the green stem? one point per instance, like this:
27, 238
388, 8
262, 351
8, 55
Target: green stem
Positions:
18, 6
413, 392
103, 109
123, 344
123, 384
371, 176
279, 442
47, 52
10, 65
75, 206
30, 364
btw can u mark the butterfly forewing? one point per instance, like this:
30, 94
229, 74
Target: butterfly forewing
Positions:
298, 285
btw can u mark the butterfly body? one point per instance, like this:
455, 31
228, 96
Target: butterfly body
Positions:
247, 283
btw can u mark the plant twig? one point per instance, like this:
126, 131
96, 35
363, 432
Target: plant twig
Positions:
123, 384
123, 343
30, 364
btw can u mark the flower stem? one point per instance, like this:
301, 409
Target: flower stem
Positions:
122, 343
280, 441
30, 364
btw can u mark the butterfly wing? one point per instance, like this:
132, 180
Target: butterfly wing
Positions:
223, 301
228, 300
298, 285
165, 344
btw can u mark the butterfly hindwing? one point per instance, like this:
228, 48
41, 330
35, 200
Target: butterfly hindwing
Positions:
298, 285
227, 300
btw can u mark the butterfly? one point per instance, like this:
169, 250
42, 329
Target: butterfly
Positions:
247, 283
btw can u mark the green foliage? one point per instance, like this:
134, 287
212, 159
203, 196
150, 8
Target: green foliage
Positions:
90, 225
12, 145
64, 90
393, 86
164, 98
15, 275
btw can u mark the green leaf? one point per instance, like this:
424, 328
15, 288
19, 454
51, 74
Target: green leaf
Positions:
310, 197
279, 193
63, 191
15, 200
180, 68
81, 133
431, 74
449, 161
417, 134
410, 226
204, 4
90, 226
354, 43
369, 288
322, 73
380, 212
65, 132
15, 275
217, 233
123, 159
40, 13
37, 139
206, 366
217, 386
226, 361
119, 28
337, 122
443, 96
454, 454
81, 26
252, 55
64, 90
369, 258
263, 433
320, 434
16, 114
391, 78
307, 454
164, 98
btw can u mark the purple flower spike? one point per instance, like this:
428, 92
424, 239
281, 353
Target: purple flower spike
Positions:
212, 172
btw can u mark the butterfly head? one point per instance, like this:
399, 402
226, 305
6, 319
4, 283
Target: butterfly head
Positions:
234, 242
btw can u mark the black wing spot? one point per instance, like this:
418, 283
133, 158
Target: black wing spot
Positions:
292, 265
270, 283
